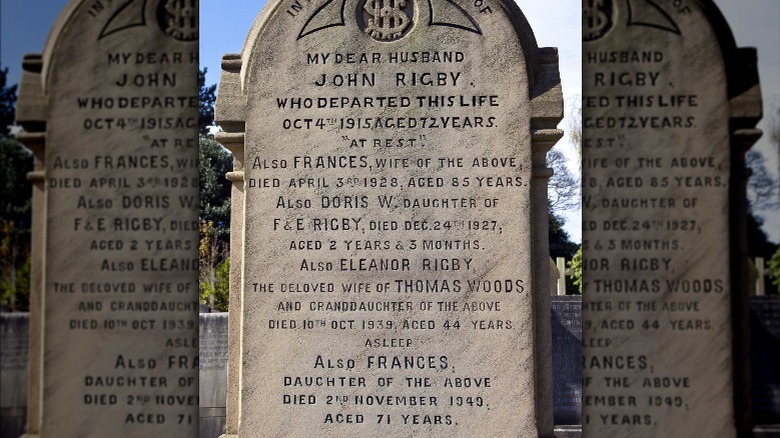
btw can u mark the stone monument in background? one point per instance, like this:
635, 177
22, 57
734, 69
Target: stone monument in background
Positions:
13, 373
110, 112
212, 380
669, 110
389, 226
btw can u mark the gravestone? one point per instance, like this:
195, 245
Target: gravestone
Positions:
110, 111
567, 359
390, 196
765, 359
212, 381
13, 373
566, 365
668, 112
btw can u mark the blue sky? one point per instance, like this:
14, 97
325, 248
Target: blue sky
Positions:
24, 25
556, 23
228, 28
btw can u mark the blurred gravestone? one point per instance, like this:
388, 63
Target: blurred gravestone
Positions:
13, 373
669, 110
567, 359
765, 359
213, 345
110, 112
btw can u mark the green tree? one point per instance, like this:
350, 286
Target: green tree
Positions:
15, 209
214, 214
758, 244
214, 268
576, 266
208, 95
774, 270
561, 246
7, 103
216, 293
559, 240
15, 191
15, 288
214, 162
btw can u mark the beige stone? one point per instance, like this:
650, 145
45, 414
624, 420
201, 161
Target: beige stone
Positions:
110, 111
665, 89
30, 112
390, 216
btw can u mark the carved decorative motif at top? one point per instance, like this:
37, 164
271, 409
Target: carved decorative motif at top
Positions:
599, 16
387, 20
179, 19
176, 18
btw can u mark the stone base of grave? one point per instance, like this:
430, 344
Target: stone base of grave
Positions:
211, 421
573, 431
559, 432
767, 431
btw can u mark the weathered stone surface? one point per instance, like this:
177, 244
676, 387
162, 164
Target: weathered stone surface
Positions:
665, 90
395, 265
212, 381
31, 106
567, 359
13, 373
110, 109
765, 359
